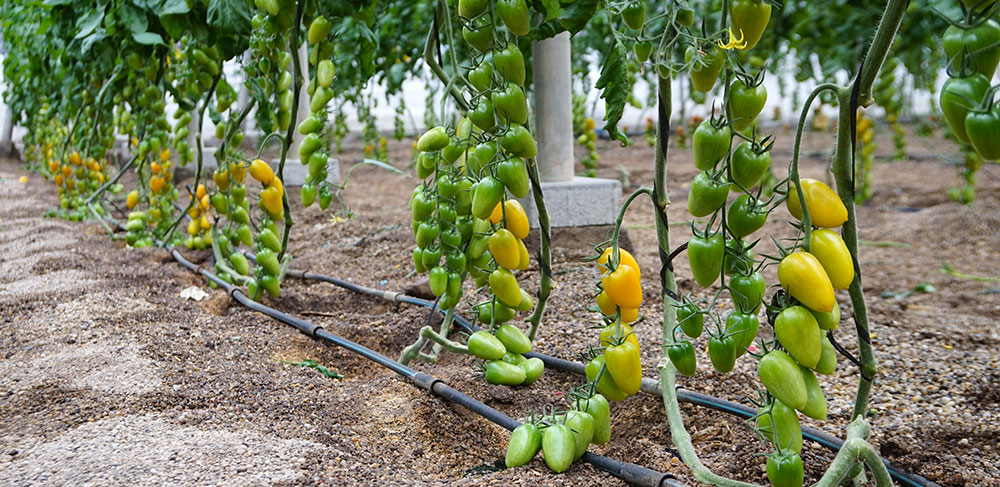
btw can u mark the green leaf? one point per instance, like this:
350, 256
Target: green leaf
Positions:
88, 23
319, 367
173, 7
56, 3
148, 38
89, 41
615, 86
552, 9
133, 19
229, 16
576, 15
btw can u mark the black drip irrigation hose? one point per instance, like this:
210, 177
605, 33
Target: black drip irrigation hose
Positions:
648, 385
629, 472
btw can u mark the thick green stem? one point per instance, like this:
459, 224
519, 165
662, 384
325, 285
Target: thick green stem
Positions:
545, 251
197, 170
679, 434
879, 48
855, 449
293, 48
843, 167
428, 333
436, 68
449, 316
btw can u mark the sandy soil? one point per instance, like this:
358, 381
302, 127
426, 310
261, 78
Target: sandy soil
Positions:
109, 377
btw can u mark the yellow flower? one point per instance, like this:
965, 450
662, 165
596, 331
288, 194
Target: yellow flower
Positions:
734, 43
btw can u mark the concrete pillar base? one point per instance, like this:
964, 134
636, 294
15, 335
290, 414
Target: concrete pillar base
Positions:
577, 203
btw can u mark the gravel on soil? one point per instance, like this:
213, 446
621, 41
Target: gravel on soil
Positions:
108, 377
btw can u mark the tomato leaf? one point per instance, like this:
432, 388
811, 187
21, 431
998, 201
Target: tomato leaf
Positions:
230, 16
97, 36
173, 7
614, 83
88, 23
552, 9
148, 38
133, 19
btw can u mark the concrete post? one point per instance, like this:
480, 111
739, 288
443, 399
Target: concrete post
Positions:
7, 131
571, 201
553, 110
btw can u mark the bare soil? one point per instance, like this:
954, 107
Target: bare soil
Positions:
109, 377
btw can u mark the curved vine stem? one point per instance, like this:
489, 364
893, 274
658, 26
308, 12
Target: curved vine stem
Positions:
286, 142
197, 170
793, 171
544, 251
433, 64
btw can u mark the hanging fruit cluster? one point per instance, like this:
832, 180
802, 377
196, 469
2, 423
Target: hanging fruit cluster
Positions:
232, 226
974, 53
314, 150
465, 212
200, 221
617, 370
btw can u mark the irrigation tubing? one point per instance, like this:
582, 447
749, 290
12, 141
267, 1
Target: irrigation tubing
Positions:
630, 472
648, 385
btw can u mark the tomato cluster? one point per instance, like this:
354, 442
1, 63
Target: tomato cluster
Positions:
314, 150
973, 48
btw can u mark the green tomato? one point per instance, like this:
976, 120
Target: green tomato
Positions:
681, 354
747, 291
597, 407
709, 145
502, 373
558, 447
525, 441
582, 425
690, 319
707, 194
722, 351
705, 258
796, 329
486, 346
784, 468
743, 327
780, 425
783, 379
749, 165
513, 338
745, 103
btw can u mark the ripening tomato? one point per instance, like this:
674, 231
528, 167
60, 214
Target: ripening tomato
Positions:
802, 275
623, 286
826, 210
831, 251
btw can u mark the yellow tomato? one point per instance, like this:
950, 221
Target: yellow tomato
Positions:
517, 220
504, 249
132, 199
270, 200
831, 251
612, 333
826, 210
261, 171
624, 257
238, 171
605, 304
497, 214
623, 286
156, 183
802, 275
